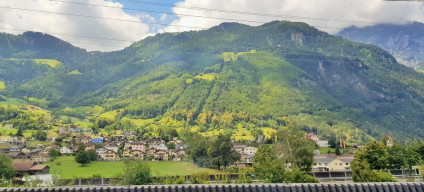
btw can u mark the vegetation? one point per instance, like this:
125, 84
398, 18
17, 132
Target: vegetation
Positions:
67, 168
6, 169
291, 148
279, 80
137, 173
370, 162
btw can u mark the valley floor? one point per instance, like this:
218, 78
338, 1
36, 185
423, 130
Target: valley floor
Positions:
67, 168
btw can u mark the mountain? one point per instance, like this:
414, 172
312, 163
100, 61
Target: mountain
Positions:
404, 42
232, 78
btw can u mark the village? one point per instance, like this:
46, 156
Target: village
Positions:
33, 160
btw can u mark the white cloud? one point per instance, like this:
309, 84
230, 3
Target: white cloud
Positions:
352, 10
65, 24
163, 17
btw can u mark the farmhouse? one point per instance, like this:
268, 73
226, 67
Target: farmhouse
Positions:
329, 163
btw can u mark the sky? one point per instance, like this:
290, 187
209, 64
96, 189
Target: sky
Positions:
108, 25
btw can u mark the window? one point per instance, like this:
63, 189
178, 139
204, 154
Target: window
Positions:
326, 164
347, 163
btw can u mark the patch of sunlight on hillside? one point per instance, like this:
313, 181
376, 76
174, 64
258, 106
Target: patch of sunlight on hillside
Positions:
231, 56
213, 133
74, 72
111, 115
2, 85
139, 122
50, 62
206, 77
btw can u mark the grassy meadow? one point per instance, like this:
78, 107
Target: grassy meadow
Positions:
67, 168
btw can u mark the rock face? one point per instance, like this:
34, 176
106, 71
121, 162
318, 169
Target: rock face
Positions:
404, 42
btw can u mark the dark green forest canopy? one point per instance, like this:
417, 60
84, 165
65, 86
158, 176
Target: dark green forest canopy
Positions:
229, 76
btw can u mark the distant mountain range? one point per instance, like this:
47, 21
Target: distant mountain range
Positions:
404, 42
234, 77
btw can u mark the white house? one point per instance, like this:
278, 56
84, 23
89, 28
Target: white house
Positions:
250, 150
101, 152
66, 151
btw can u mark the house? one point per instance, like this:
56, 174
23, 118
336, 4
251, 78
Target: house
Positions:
97, 140
126, 153
112, 147
12, 140
5, 149
138, 146
161, 156
39, 170
22, 167
181, 153
347, 160
247, 159
66, 151
16, 149
161, 147
137, 154
127, 145
111, 155
250, 150
321, 142
239, 148
101, 152
82, 139
41, 158
17, 155
330, 163
75, 130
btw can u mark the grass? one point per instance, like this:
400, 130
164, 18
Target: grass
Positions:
324, 150
67, 168
8, 131
2, 86
34, 143
50, 62
109, 115
139, 122
13, 101
84, 124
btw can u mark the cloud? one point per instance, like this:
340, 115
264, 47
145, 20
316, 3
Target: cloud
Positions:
313, 12
163, 17
65, 24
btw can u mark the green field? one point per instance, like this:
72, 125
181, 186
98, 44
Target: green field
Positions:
50, 62
67, 168
13, 101
324, 150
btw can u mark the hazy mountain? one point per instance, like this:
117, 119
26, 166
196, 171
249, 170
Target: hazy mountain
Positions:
404, 42
229, 76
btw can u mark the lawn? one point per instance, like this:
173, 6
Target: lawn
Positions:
324, 150
67, 168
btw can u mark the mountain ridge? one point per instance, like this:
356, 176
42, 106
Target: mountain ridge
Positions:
233, 76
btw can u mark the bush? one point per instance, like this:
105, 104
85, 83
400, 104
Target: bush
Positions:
137, 173
200, 178
296, 176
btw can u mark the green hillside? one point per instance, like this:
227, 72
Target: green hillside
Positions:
235, 78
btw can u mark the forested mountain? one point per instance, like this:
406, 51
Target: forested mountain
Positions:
405, 42
232, 78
